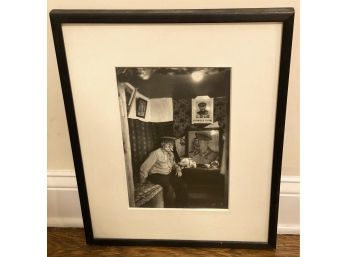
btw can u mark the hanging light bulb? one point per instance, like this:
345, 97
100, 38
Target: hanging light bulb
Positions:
145, 73
197, 76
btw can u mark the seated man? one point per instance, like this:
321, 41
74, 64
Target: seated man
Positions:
160, 168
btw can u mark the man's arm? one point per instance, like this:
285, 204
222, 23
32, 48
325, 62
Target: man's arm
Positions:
147, 165
175, 166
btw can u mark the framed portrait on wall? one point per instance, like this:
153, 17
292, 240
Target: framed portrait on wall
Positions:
141, 106
202, 110
177, 134
205, 147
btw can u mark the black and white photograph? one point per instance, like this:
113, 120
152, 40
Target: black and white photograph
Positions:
175, 135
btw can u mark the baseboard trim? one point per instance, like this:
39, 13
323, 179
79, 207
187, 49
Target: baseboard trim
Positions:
64, 205
65, 222
288, 229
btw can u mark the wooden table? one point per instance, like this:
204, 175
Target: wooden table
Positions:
206, 187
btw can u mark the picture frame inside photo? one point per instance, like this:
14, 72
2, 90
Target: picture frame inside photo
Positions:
205, 147
202, 110
176, 136
141, 106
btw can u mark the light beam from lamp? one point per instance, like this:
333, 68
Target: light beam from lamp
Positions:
197, 76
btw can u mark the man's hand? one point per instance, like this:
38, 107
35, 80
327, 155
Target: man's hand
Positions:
178, 172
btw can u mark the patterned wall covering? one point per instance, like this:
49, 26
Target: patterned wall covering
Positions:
144, 138
182, 114
222, 111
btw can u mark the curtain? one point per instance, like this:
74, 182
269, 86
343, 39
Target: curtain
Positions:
126, 143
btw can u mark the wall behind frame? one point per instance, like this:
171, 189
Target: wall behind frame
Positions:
59, 151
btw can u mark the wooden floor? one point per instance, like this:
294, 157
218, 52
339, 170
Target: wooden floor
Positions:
71, 242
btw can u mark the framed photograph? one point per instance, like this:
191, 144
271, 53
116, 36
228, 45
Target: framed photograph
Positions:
204, 146
176, 115
202, 110
141, 106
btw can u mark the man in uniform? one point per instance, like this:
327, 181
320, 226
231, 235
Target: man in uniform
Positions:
160, 168
205, 155
202, 113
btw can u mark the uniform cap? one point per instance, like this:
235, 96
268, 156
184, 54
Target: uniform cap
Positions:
167, 138
203, 135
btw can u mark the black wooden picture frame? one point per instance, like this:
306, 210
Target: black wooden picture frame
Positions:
285, 16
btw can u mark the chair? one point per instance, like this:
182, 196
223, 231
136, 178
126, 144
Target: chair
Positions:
148, 195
